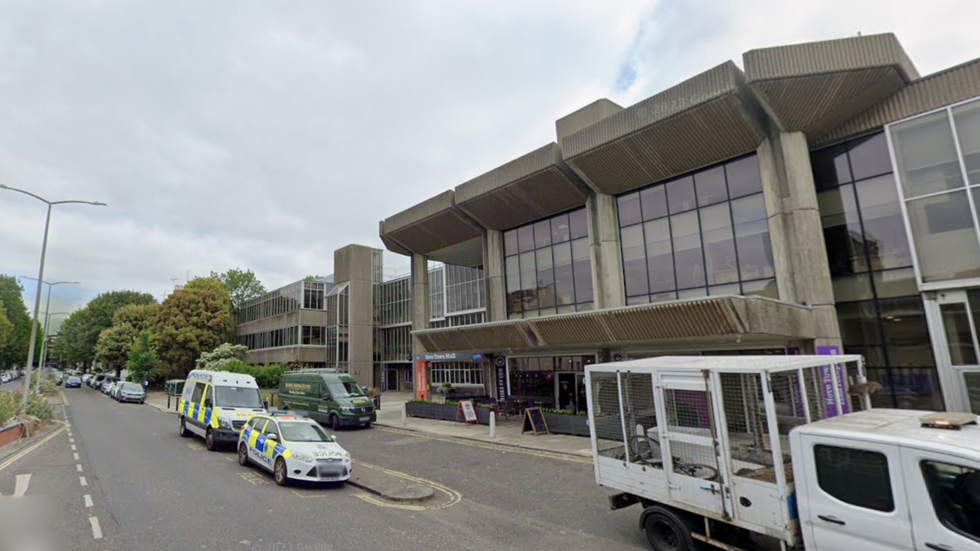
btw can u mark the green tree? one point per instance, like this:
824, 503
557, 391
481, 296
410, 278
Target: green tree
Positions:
214, 359
240, 284
142, 358
113, 346
69, 347
99, 316
312, 277
13, 348
137, 315
6, 327
191, 321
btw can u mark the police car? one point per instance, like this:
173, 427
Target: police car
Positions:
293, 448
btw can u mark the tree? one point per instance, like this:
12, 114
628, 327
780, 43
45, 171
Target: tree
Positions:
13, 348
99, 316
191, 321
240, 284
69, 347
6, 327
113, 346
139, 316
312, 277
142, 358
214, 359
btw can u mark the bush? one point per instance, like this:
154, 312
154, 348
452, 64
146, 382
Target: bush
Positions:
266, 376
9, 402
39, 407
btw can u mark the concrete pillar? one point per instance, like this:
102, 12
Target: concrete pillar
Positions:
607, 254
420, 305
354, 263
796, 232
493, 272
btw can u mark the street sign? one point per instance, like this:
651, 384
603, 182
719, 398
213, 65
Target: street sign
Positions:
469, 414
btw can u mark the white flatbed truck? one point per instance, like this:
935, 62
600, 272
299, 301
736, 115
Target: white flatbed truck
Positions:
780, 452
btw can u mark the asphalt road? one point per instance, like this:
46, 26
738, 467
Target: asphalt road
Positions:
151, 489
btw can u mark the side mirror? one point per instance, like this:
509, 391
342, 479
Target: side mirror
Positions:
334, 437
272, 436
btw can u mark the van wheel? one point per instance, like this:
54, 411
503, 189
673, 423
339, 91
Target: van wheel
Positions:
184, 433
280, 472
243, 455
334, 422
367, 425
666, 531
209, 440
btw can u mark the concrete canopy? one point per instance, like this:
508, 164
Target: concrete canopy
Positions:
703, 120
670, 322
432, 226
813, 87
531, 187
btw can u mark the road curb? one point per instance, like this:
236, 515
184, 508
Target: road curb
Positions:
392, 490
482, 441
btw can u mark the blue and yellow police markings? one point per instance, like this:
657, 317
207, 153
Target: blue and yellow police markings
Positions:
267, 450
202, 415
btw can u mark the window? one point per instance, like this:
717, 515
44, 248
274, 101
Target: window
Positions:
700, 234
209, 396
260, 424
456, 373
955, 494
198, 393
856, 477
548, 266
408, 375
252, 421
271, 428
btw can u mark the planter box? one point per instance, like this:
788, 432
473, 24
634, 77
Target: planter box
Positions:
575, 425
443, 412
10, 434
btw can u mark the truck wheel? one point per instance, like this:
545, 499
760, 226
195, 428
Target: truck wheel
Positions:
184, 433
209, 440
282, 478
334, 422
666, 532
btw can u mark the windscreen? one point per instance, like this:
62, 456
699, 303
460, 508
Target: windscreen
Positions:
303, 432
132, 387
344, 390
237, 397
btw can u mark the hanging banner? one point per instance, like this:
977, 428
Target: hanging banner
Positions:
827, 383
421, 382
500, 365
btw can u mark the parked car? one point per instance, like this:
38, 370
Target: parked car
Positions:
73, 382
86, 377
116, 387
130, 392
107, 384
293, 448
4, 379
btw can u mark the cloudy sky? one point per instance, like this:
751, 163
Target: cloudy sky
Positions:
264, 135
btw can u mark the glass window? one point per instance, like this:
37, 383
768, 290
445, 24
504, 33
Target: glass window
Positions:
514, 295
546, 278
688, 259
582, 263
271, 428
198, 393
680, 195
629, 209
634, 261
529, 281
926, 155
578, 224
660, 257
842, 231
525, 238
945, 237
955, 494
710, 186
869, 156
856, 477
884, 227
719, 244
830, 167
542, 234
761, 287
653, 201
560, 231
959, 335
895, 283
967, 120
510, 242
752, 238
853, 288
858, 322
743, 177
564, 281
903, 320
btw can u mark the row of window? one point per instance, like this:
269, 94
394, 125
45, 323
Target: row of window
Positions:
301, 294
456, 373
286, 336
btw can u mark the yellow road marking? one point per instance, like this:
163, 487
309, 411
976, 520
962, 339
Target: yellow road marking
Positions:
453, 496
490, 446
10, 461
64, 398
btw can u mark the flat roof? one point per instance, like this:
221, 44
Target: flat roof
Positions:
728, 364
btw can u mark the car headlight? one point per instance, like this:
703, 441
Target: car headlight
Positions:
347, 409
224, 423
346, 456
301, 457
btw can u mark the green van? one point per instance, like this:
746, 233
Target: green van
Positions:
326, 396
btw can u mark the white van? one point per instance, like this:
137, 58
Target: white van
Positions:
215, 405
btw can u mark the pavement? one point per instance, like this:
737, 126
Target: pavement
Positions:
120, 477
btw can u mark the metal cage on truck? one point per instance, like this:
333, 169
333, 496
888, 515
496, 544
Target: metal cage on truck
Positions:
709, 435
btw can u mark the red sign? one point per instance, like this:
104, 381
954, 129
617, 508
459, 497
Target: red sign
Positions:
421, 383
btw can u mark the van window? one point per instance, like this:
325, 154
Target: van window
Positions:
238, 397
344, 390
210, 395
198, 393
856, 477
188, 390
955, 494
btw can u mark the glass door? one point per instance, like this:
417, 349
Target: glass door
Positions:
954, 317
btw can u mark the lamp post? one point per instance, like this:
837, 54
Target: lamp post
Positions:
40, 279
44, 341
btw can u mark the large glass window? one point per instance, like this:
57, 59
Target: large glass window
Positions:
548, 266
938, 160
879, 309
705, 233
855, 477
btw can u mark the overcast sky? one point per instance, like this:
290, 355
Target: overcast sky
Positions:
265, 135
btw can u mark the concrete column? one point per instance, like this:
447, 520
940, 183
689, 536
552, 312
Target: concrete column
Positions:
493, 272
796, 232
355, 262
607, 254
420, 306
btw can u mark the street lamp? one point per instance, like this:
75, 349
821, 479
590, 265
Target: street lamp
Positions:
44, 345
44, 341
40, 279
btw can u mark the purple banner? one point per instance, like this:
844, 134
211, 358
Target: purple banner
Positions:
827, 382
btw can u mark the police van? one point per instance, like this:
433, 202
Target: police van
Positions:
216, 404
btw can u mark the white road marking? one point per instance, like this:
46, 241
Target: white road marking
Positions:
76, 456
88, 500
20, 487
83, 481
73, 448
71, 440
96, 529
79, 467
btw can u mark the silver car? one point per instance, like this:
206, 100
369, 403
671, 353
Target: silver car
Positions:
130, 392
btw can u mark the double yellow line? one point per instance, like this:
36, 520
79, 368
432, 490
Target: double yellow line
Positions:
452, 496
12, 459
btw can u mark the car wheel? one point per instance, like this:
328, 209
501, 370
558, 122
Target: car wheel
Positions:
334, 422
209, 440
243, 455
666, 532
367, 425
282, 478
184, 433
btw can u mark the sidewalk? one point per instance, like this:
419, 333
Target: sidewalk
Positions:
508, 432
158, 399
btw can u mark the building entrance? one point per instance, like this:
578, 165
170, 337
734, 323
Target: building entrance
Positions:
954, 317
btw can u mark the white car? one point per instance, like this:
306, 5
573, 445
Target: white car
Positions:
4, 378
293, 448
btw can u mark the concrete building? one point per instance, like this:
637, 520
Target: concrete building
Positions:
820, 200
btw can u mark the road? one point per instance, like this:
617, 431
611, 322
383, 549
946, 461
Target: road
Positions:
150, 489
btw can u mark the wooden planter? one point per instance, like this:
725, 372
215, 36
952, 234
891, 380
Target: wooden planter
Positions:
561, 423
443, 412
